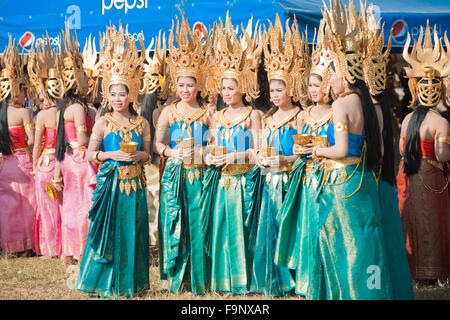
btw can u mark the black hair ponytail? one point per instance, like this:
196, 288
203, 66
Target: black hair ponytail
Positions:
5, 140
411, 157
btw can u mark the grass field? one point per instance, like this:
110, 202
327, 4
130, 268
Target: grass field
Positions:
35, 278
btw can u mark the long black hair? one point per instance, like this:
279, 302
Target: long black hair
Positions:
62, 144
388, 164
5, 140
411, 157
148, 106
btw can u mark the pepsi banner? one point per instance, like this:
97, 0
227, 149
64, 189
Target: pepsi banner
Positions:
28, 21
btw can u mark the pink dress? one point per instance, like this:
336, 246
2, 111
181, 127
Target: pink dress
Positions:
47, 224
79, 184
17, 199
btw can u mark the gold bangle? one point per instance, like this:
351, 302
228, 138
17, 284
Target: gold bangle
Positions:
96, 160
29, 126
57, 181
161, 152
81, 128
146, 138
148, 161
444, 140
341, 126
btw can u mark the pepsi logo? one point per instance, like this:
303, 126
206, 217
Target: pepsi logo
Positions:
27, 40
198, 26
399, 31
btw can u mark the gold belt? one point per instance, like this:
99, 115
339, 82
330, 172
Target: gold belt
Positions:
333, 164
309, 167
194, 165
236, 168
283, 168
48, 151
129, 172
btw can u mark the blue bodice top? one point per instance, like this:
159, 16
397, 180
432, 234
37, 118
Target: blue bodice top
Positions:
235, 135
280, 134
355, 141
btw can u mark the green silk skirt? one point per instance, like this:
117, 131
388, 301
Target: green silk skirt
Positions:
268, 278
228, 216
180, 229
351, 260
115, 262
395, 242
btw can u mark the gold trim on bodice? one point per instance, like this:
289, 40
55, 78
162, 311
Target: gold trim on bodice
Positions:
223, 122
315, 124
125, 132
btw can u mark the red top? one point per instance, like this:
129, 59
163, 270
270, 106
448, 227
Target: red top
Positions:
426, 147
50, 138
18, 137
71, 131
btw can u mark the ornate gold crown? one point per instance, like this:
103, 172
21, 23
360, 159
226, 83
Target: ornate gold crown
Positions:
44, 73
238, 58
429, 67
346, 39
72, 61
10, 75
189, 58
375, 60
155, 71
321, 58
90, 64
289, 60
120, 63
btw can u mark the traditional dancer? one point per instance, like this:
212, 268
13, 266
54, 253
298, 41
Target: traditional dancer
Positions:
181, 136
226, 202
73, 172
18, 204
351, 256
298, 216
116, 259
423, 176
375, 63
287, 64
46, 87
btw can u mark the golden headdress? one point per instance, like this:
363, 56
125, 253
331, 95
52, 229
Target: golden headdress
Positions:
287, 60
44, 72
429, 69
11, 71
155, 71
72, 61
189, 58
90, 64
238, 58
120, 63
343, 28
375, 60
321, 58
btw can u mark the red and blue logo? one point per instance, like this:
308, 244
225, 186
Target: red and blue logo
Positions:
399, 31
26, 41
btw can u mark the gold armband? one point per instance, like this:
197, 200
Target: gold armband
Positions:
146, 138
158, 127
96, 137
444, 140
38, 128
341, 126
81, 128
29, 126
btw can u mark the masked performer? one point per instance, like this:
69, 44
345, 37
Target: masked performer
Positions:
423, 175
16, 139
180, 137
226, 203
352, 261
73, 172
116, 259
375, 63
47, 86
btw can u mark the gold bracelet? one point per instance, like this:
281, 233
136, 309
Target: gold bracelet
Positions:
161, 152
96, 160
148, 161
81, 128
57, 181
444, 140
341, 126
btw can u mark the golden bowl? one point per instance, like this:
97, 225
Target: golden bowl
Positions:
268, 151
129, 146
218, 150
302, 138
319, 141
185, 143
51, 191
